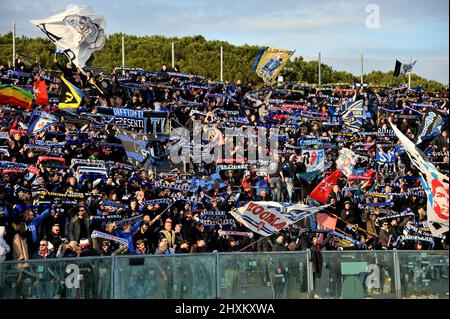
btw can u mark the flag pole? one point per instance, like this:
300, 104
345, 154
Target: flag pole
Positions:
251, 244
409, 74
123, 54
320, 69
221, 64
14, 44
173, 55
362, 69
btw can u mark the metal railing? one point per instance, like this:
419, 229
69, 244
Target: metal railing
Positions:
262, 275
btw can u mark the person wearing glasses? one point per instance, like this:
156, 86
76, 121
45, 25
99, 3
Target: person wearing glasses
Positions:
45, 275
43, 252
79, 225
384, 234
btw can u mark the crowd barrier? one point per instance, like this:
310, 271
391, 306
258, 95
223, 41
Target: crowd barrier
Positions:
263, 275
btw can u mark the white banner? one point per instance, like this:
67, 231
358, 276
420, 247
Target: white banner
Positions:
78, 31
435, 185
267, 218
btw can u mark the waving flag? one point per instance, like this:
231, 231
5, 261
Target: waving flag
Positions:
269, 63
136, 146
14, 95
354, 115
346, 160
435, 185
209, 182
267, 218
323, 190
78, 31
314, 160
389, 157
70, 96
40, 92
431, 126
39, 121
402, 68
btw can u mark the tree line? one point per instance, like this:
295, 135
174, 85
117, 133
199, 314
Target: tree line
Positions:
196, 55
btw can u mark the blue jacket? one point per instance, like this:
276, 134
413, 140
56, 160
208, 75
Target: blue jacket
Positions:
129, 236
34, 223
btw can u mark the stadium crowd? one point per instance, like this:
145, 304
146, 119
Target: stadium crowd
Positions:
72, 190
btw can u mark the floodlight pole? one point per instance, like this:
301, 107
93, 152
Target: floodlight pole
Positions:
362, 69
173, 55
14, 44
320, 69
221, 64
123, 54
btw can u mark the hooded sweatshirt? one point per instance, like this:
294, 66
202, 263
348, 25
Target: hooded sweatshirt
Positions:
4, 247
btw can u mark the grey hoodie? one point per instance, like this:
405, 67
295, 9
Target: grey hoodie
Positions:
4, 247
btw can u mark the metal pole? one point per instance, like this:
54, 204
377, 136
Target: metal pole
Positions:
362, 69
409, 74
221, 64
309, 274
14, 44
216, 261
123, 54
173, 55
320, 69
397, 278
114, 276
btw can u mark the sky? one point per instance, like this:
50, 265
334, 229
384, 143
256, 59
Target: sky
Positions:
338, 29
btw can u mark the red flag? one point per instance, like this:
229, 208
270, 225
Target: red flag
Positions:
325, 221
323, 190
40, 92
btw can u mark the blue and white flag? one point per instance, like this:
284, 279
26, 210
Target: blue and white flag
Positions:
267, 218
209, 182
354, 115
39, 121
430, 127
434, 183
389, 157
136, 146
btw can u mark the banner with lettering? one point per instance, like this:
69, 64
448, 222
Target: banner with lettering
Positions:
267, 218
141, 121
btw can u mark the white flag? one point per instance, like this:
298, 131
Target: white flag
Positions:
267, 218
78, 31
435, 185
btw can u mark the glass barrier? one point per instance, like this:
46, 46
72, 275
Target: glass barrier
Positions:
274, 275
356, 275
424, 275
165, 277
69, 278
263, 275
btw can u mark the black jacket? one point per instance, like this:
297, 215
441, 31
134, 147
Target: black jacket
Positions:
317, 261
